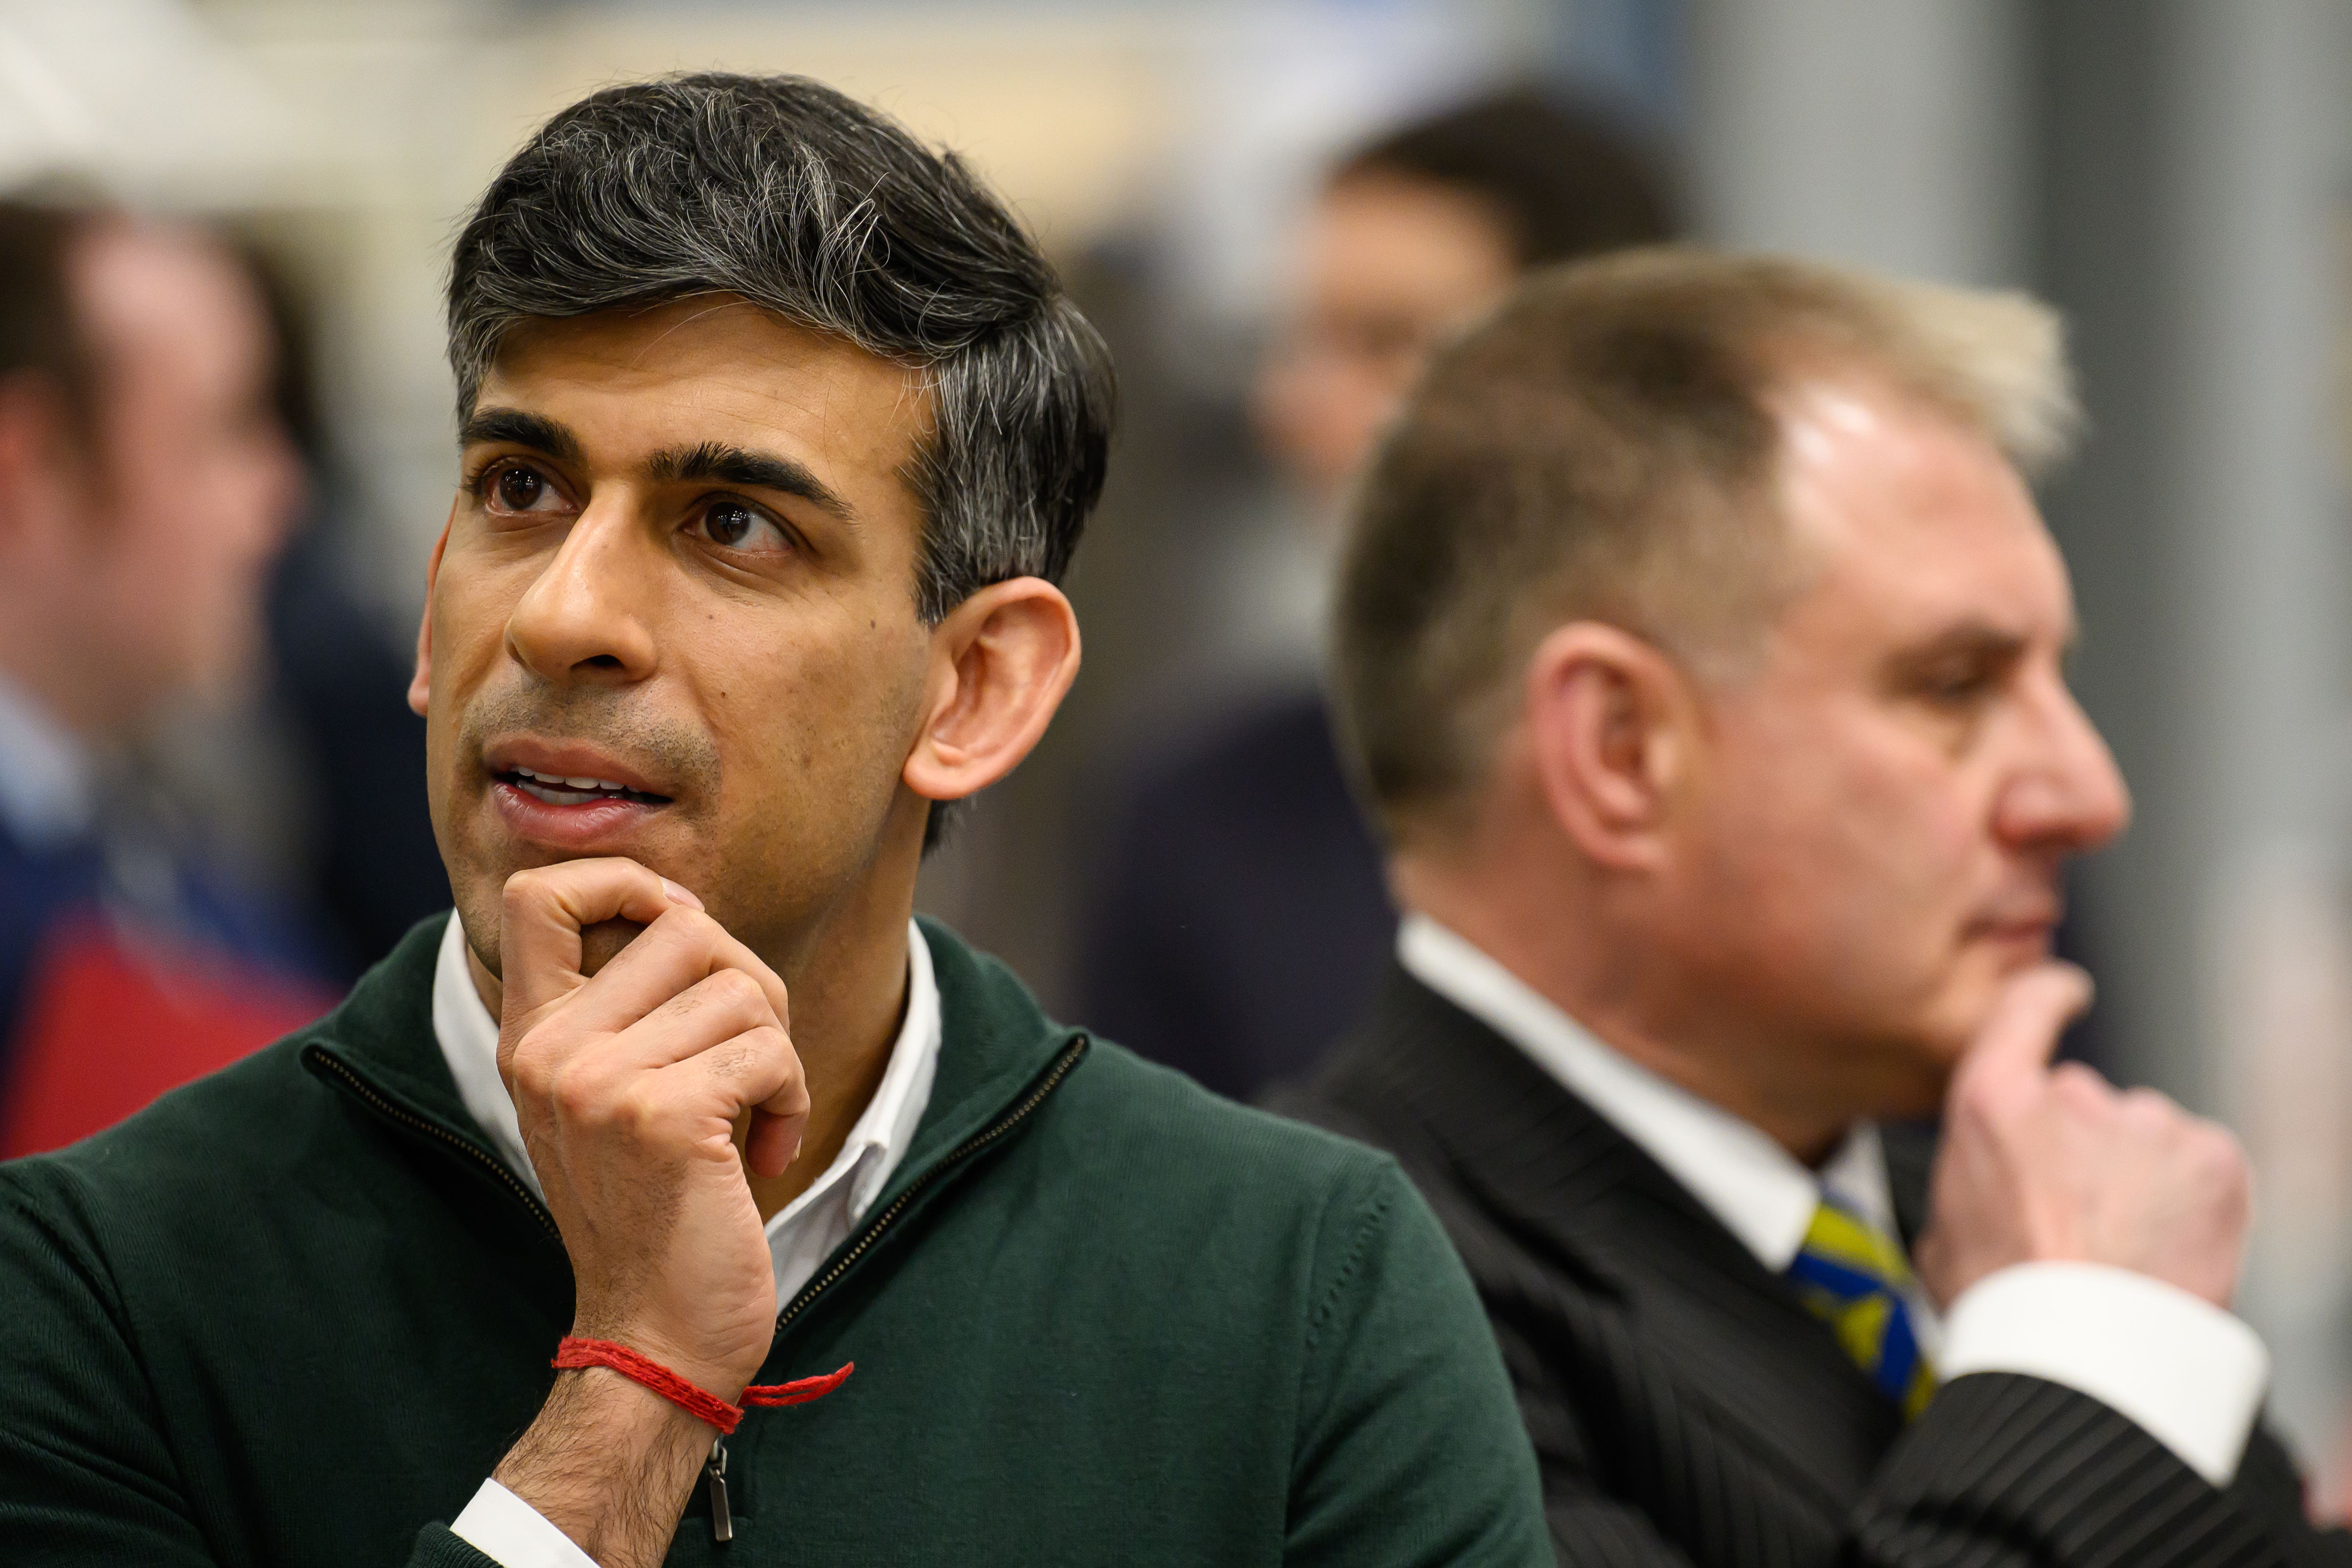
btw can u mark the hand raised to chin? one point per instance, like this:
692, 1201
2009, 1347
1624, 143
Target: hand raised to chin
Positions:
628, 1086
2054, 1163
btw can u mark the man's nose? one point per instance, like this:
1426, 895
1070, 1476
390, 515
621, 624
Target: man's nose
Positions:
2069, 796
584, 616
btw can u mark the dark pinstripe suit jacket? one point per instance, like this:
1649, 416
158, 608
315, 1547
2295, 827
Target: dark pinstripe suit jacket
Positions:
1685, 1407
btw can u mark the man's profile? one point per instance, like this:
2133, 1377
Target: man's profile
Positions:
1702, 652
775, 432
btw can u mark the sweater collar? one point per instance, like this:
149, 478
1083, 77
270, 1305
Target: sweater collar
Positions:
995, 1041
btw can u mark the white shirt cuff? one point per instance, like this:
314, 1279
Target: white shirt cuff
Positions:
510, 1533
2190, 1374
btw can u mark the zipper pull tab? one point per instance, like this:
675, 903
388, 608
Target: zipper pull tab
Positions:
722, 1523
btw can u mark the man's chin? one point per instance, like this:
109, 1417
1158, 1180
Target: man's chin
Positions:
1918, 1098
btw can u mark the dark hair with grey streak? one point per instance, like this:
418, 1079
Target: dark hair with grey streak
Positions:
784, 191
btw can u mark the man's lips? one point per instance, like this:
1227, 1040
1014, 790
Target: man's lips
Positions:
570, 773
576, 790
579, 822
2034, 925
568, 796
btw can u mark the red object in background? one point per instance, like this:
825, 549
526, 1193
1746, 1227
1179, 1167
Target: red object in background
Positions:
110, 1023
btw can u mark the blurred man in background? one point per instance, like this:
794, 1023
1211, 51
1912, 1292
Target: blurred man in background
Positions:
1700, 646
145, 487
338, 690
1240, 921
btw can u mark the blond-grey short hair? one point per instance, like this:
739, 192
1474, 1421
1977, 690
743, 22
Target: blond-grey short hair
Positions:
1605, 445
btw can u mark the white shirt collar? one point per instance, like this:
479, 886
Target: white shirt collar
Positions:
1756, 1188
46, 781
468, 1038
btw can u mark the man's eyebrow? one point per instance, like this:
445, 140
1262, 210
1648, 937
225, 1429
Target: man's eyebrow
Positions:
726, 465
516, 427
1980, 640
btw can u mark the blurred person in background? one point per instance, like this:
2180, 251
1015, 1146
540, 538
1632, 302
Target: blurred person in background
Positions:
339, 692
1700, 646
146, 485
1238, 922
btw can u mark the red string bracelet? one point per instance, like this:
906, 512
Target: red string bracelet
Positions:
574, 1353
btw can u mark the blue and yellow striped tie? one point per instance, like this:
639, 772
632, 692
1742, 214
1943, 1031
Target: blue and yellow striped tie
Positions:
1854, 1277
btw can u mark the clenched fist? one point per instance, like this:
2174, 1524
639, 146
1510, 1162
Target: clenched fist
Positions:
2041, 1163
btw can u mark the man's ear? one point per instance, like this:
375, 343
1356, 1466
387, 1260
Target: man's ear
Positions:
1614, 723
420, 685
1002, 661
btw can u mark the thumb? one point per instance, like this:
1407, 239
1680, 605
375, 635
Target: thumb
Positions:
2013, 1048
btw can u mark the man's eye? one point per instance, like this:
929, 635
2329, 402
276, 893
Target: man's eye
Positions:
518, 489
735, 525
1959, 690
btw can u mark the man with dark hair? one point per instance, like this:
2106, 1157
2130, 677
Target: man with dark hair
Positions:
1238, 922
145, 485
1700, 650
776, 429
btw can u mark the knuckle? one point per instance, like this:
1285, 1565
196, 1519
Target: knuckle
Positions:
738, 988
2218, 1147
2079, 1089
578, 1079
574, 1095
795, 1095
692, 926
1974, 1099
637, 1111
533, 1063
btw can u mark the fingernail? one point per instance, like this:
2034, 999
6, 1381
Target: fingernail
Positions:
678, 895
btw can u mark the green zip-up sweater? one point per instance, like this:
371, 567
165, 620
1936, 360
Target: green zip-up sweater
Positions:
295, 1312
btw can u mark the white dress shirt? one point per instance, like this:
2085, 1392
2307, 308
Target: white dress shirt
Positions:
46, 788
801, 1237
2190, 1374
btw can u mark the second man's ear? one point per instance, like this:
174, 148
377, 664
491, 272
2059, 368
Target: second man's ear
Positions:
1005, 658
1612, 724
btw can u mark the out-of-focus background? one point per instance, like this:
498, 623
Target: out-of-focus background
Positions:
2175, 174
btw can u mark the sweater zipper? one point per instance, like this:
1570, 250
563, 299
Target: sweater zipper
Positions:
714, 1469
956, 1156
488, 1162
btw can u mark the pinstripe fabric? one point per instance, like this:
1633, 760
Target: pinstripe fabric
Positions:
1689, 1411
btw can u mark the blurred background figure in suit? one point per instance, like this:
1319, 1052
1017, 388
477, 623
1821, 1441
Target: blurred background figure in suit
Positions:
146, 487
355, 841
1700, 646
1238, 922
